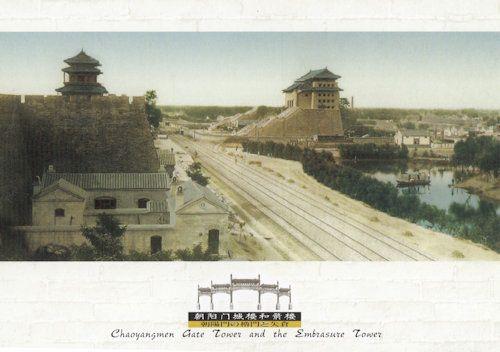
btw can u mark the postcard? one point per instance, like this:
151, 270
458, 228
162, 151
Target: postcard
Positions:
246, 190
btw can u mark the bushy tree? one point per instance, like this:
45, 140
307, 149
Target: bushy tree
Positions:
106, 237
195, 173
83, 252
153, 113
482, 152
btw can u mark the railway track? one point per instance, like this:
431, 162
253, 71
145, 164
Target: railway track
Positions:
319, 204
326, 231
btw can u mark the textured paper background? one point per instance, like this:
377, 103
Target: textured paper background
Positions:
418, 306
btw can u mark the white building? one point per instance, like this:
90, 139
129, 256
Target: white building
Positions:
412, 138
158, 215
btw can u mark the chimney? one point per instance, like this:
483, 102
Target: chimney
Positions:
51, 169
352, 102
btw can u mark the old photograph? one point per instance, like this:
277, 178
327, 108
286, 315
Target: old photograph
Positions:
242, 146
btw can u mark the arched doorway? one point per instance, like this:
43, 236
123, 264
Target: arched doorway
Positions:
155, 244
213, 241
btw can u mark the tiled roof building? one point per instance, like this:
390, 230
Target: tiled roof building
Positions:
110, 181
316, 89
80, 77
158, 215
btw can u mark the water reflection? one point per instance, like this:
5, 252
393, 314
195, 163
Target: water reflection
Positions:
438, 193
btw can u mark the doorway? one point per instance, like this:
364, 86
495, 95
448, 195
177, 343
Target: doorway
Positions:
213, 241
155, 244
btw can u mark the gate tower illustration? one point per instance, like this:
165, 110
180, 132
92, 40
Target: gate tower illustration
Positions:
245, 284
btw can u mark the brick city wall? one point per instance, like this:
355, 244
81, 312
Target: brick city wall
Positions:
105, 134
15, 173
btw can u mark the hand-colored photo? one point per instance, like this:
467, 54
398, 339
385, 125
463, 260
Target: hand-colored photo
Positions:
249, 146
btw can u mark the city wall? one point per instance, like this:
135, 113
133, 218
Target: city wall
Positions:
101, 134
15, 177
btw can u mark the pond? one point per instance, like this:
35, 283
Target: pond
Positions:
438, 193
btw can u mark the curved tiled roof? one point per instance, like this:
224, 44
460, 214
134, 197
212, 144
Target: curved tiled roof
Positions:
82, 89
292, 87
82, 69
304, 81
322, 73
82, 58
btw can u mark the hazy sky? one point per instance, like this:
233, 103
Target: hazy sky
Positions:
433, 70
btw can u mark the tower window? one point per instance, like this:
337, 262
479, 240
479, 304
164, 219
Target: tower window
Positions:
59, 213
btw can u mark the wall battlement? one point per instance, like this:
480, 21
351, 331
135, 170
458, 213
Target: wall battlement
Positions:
81, 134
58, 101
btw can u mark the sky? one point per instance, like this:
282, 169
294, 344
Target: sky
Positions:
379, 69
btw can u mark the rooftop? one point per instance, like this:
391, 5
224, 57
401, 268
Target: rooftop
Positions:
322, 73
304, 82
414, 133
110, 181
193, 192
166, 157
62, 183
83, 59
82, 69
81, 88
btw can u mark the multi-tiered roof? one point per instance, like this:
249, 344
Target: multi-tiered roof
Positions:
81, 76
304, 83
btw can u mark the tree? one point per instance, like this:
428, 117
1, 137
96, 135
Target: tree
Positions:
194, 172
106, 237
479, 152
489, 159
345, 114
153, 113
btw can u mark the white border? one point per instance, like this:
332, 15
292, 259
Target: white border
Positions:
249, 15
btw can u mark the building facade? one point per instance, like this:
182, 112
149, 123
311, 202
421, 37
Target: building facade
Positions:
317, 89
158, 215
413, 138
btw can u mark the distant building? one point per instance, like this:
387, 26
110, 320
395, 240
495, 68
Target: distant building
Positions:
413, 138
80, 77
317, 89
312, 112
